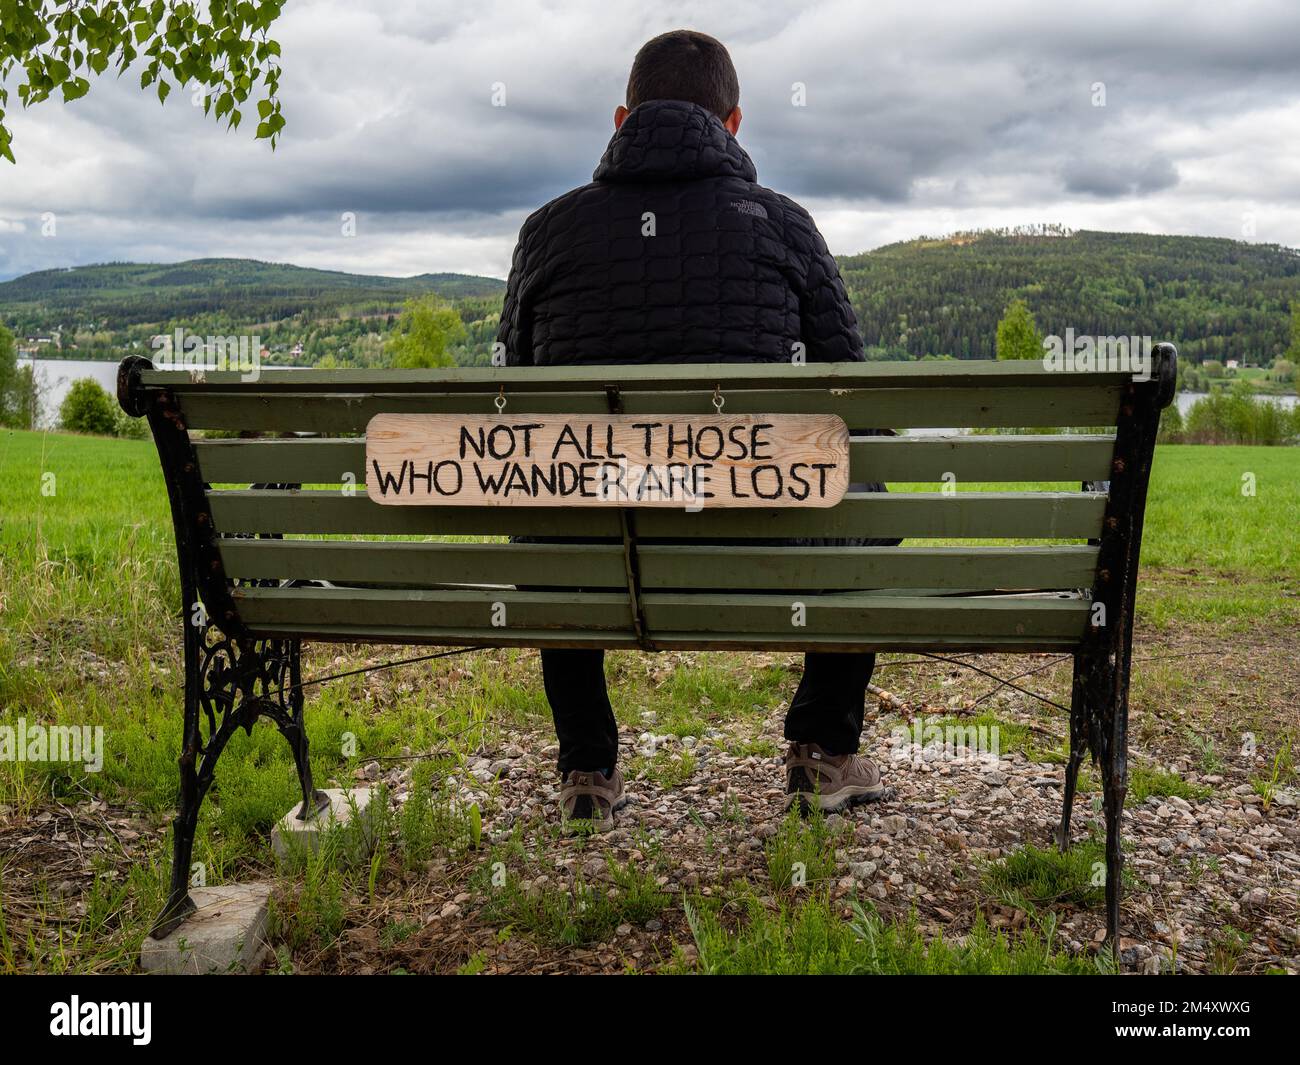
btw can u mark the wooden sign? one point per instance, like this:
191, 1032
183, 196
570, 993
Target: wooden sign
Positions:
572, 460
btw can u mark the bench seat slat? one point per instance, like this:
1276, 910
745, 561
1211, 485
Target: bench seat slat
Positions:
1023, 515
1017, 406
449, 637
884, 458
796, 640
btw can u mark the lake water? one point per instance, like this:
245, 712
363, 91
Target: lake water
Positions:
1186, 399
56, 377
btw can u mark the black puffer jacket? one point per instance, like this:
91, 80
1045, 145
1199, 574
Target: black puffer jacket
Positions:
733, 272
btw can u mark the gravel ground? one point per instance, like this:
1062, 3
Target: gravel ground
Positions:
1198, 867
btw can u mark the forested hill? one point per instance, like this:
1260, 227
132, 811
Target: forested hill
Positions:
238, 292
1215, 298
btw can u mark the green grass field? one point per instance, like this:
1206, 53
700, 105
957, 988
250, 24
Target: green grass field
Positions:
90, 634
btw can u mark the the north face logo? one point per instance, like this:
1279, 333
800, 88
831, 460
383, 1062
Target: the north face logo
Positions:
749, 207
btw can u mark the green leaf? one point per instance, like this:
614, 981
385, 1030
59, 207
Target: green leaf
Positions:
75, 89
163, 90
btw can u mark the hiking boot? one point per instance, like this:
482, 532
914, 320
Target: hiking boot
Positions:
590, 799
830, 782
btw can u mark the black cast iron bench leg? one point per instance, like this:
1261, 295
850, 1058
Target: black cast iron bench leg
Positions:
1078, 750
1098, 722
229, 684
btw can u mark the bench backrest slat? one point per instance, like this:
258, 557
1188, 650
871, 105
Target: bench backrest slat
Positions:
1037, 515
646, 377
467, 611
874, 458
663, 566
897, 408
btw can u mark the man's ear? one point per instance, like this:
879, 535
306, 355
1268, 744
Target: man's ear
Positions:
732, 121
620, 114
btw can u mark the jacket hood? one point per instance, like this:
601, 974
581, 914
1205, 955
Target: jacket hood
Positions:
673, 140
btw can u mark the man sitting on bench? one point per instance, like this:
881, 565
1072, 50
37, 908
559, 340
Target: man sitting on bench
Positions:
673, 254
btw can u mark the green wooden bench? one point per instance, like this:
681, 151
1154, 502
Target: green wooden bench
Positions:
258, 574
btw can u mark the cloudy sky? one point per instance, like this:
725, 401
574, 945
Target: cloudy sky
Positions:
920, 118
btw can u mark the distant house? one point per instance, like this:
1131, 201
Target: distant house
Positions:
1231, 364
296, 350
40, 341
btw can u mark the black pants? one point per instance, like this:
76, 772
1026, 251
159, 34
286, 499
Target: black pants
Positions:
827, 709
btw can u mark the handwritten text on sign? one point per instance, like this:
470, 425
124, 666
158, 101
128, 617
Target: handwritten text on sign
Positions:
548, 460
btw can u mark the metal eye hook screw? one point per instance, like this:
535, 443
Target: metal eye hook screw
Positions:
718, 400
500, 401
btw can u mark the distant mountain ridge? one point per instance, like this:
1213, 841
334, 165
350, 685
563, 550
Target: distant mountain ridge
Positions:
1215, 298
119, 295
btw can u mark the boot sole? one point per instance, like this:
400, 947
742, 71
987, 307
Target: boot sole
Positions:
574, 826
855, 795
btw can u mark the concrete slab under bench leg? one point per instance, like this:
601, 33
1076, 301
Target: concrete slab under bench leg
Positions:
226, 934
292, 836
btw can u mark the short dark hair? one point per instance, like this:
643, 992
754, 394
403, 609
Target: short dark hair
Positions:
684, 65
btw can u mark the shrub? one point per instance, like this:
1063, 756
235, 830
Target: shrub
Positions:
1238, 417
87, 408
1171, 425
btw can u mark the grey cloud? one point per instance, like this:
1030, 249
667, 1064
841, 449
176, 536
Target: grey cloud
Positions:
1109, 177
911, 109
